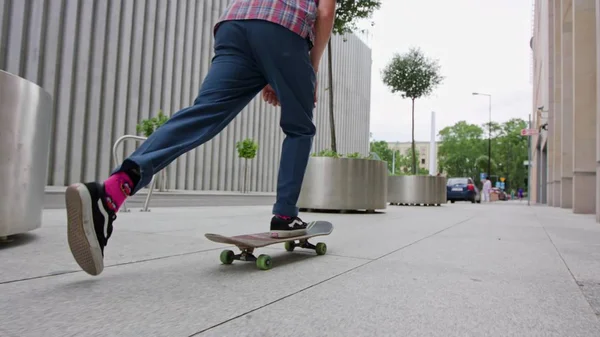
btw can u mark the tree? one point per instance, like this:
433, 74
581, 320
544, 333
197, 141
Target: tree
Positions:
404, 164
400, 164
463, 151
247, 149
415, 76
382, 149
510, 152
460, 147
348, 12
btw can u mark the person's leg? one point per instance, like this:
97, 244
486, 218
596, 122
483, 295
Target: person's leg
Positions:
284, 59
232, 82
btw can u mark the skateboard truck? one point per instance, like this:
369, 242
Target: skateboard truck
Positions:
320, 248
263, 261
246, 255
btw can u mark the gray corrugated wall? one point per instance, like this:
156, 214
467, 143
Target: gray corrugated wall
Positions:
111, 63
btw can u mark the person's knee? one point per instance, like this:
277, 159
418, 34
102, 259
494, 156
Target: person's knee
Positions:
298, 128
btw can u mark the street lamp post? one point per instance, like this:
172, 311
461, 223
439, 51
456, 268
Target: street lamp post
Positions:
490, 133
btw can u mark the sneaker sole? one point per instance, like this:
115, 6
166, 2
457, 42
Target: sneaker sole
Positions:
287, 234
81, 235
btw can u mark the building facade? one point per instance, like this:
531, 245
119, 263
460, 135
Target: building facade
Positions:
111, 64
565, 153
423, 149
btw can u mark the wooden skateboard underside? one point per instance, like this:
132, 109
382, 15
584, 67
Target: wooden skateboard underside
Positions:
248, 242
257, 240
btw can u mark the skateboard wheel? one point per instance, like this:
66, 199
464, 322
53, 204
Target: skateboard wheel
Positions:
290, 245
263, 262
227, 257
321, 248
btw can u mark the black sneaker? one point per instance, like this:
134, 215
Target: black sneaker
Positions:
89, 225
282, 228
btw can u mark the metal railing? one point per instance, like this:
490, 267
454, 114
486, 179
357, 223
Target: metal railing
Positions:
117, 161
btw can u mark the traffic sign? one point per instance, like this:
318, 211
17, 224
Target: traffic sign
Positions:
502, 179
482, 176
529, 132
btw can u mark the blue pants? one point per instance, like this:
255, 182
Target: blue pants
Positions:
248, 56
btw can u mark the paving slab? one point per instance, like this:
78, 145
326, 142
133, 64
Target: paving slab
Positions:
503, 269
175, 296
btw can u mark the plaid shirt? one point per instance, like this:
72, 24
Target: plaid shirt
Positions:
299, 16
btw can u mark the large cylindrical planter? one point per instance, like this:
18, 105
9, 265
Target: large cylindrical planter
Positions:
25, 126
344, 184
416, 190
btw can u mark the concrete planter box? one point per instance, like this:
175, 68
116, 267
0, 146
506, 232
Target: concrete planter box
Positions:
344, 184
416, 190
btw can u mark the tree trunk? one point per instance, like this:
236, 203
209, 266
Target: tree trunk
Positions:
163, 183
331, 117
414, 152
245, 176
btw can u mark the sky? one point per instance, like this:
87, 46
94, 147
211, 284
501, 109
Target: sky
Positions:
481, 45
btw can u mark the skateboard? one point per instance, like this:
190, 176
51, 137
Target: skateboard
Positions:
248, 242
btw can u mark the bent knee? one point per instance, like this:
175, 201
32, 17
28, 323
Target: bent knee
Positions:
305, 129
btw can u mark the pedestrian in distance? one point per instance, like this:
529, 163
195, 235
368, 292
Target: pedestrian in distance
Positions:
520, 194
486, 190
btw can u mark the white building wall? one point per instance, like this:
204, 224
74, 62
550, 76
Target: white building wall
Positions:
110, 64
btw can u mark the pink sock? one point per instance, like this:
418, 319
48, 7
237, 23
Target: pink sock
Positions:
283, 217
117, 187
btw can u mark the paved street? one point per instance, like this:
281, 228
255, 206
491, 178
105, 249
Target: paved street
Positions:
457, 270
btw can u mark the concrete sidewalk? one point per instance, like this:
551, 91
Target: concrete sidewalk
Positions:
503, 269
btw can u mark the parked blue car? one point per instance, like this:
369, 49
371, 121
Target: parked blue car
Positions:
462, 189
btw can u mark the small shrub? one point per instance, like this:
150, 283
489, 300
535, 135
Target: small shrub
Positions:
148, 126
355, 155
326, 153
247, 148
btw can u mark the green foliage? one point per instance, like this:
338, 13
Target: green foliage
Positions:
403, 162
148, 126
247, 148
348, 12
355, 155
383, 151
463, 151
326, 153
333, 154
412, 74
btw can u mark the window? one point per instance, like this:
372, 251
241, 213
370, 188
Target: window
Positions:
455, 181
423, 161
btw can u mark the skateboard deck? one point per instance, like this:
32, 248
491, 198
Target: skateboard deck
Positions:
248, 242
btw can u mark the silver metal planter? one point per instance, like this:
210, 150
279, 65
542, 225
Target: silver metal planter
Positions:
416, 190
25, 126
344, 184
